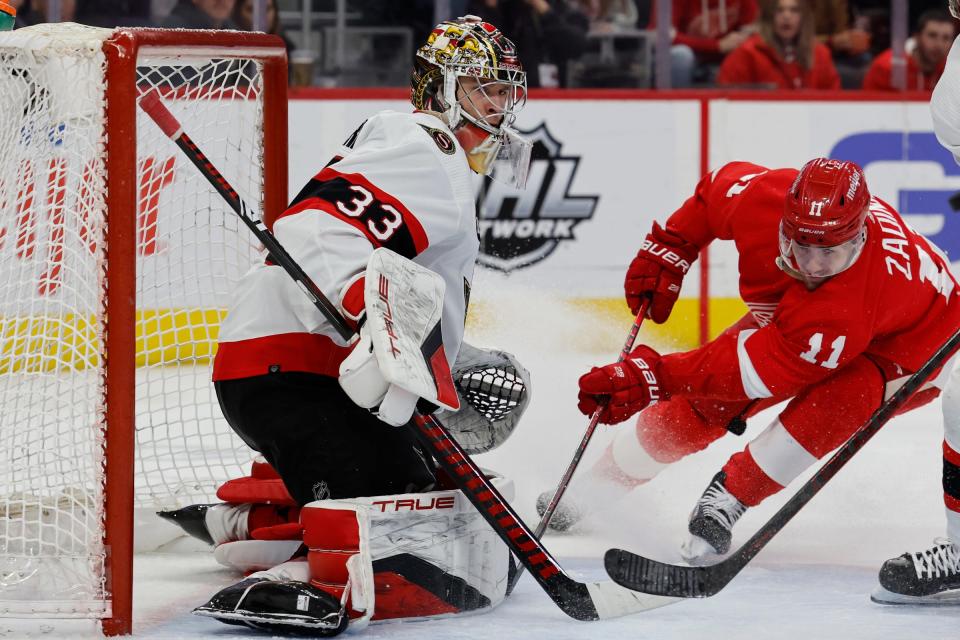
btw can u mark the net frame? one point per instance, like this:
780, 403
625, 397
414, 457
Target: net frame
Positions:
122, 50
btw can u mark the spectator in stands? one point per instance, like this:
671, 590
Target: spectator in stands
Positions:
38, 11
200, 14
926, 55
547, 33
849, 44
705, 32
243, 18
783, 54
831, 19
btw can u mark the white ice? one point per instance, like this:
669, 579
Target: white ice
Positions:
812, 581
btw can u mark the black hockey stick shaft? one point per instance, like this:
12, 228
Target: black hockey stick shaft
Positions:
584, 442
154, 107
571, 596
653, 577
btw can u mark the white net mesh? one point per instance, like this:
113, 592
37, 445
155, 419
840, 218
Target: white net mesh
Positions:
190, 252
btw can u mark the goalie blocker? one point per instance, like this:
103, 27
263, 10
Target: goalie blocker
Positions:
399, 357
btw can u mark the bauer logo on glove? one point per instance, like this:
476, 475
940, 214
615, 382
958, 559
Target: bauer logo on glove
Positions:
657, 272
622, 389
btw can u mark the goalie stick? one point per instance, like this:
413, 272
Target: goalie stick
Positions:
582, 601
653, 577
578, 454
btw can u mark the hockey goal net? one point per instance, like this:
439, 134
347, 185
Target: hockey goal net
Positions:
116, 262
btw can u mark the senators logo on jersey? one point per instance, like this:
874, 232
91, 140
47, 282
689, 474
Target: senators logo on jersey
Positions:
443, 141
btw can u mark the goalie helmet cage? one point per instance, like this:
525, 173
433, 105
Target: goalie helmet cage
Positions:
116, 262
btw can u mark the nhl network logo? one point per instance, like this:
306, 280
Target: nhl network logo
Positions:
520, 227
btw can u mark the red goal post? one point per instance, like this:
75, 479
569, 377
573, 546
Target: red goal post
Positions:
116, 261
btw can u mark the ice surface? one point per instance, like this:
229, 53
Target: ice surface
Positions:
812, 581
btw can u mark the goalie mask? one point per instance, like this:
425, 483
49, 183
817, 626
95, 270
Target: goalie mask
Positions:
469, 72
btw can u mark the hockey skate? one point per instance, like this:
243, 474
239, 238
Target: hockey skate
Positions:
277, 606
711, 522
192, 519
213, 523
931, 576
567, 513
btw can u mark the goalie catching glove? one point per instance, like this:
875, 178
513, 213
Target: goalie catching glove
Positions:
399, 357
623, 388
657, 272
494, 390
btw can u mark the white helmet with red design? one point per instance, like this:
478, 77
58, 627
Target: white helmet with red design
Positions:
469, 72
823, 228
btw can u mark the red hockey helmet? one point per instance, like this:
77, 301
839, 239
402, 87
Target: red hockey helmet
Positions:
822, 231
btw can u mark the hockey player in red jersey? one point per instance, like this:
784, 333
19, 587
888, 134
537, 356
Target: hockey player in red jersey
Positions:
845, 301
382, 540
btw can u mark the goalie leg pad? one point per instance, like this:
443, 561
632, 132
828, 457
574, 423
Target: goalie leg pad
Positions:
406, 556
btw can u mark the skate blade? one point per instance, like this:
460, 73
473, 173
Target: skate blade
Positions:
944, 598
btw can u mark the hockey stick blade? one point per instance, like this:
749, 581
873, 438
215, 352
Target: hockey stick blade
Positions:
659, 578
653, 577
582, 601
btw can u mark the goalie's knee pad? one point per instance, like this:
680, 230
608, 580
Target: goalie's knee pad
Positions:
406, 556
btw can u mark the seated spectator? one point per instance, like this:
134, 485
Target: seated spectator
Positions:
783, 54
200, 14
831, 19
243, 18
38, 11
925, 58
547, 34
849, 43
705, 32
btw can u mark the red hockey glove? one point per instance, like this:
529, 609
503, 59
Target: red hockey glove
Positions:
626, 387
658, 271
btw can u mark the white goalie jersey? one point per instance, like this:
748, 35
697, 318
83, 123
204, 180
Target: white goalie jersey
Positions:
945, 103
401, 182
